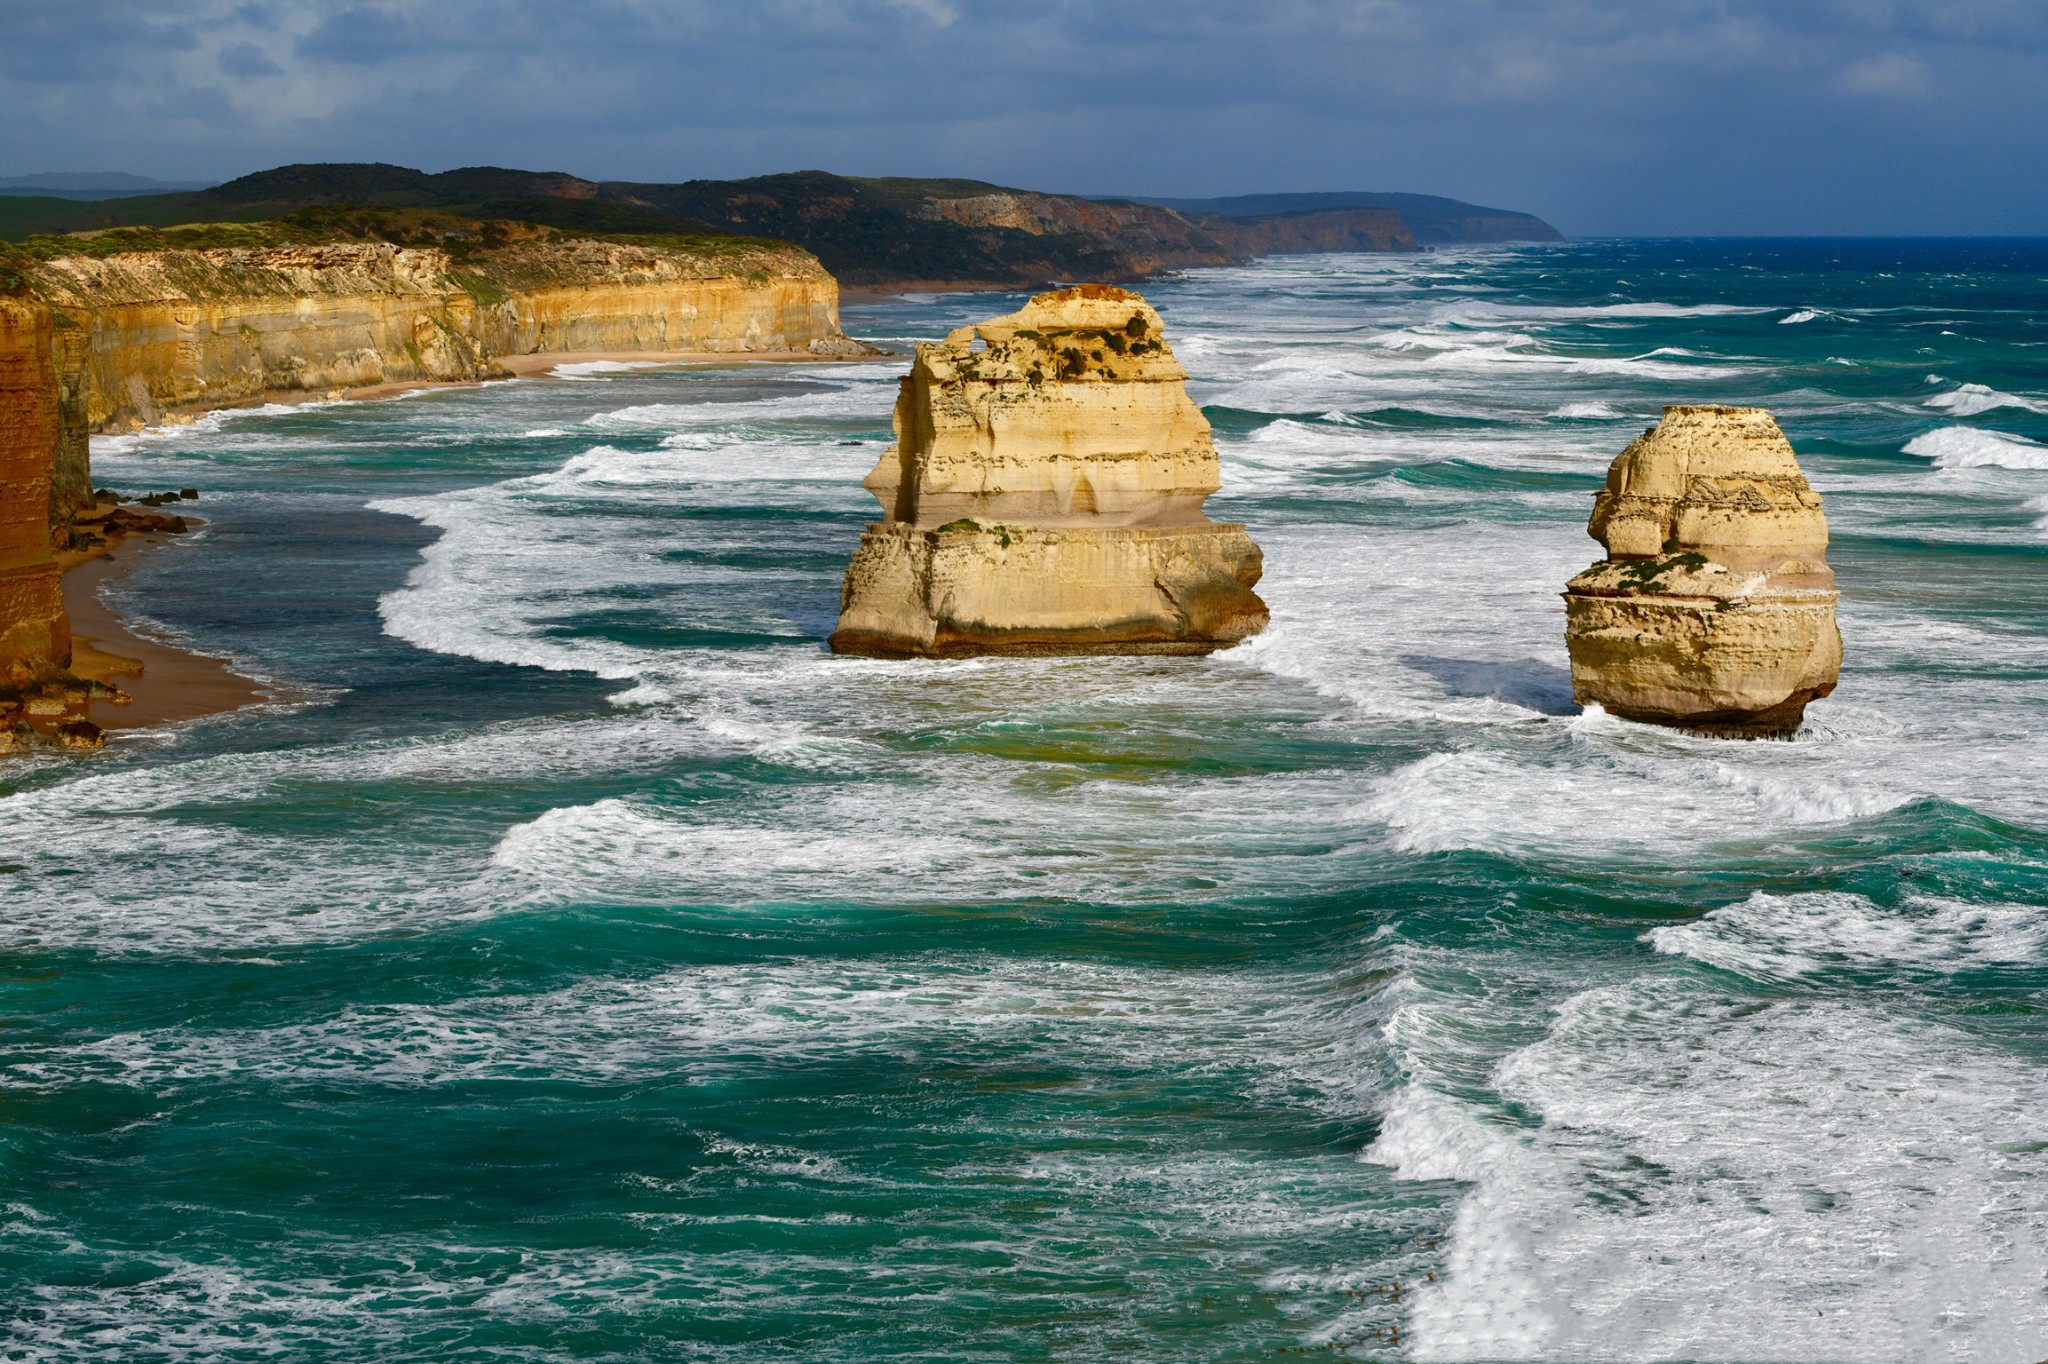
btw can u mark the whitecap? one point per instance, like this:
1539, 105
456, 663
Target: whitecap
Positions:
1964, 447
1772, 938
591, 369
1972, 399
1591, 412
1875, 1182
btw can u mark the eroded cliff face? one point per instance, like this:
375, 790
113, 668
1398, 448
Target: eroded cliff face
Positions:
1715, 608
35, 638
1044, 495
158, 331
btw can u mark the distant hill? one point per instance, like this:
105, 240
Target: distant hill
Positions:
89, 185
891, 232
1435, 221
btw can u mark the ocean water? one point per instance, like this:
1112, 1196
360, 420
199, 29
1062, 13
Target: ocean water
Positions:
578, 963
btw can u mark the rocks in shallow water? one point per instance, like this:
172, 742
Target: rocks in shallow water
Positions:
79, 734
1715, 608
1044, 496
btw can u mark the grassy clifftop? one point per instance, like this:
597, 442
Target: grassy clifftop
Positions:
894, 230
522, 249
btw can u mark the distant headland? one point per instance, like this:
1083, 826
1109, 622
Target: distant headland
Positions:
870, 233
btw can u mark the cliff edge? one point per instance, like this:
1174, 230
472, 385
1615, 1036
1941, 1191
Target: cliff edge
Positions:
204, 317
117, 329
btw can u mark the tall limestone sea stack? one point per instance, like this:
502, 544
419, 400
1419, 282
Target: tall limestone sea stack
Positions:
1044, 496
1715, 607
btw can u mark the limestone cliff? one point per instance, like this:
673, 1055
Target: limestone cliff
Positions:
161, 330
1044, 495
1715, 608
93, 336
35, 638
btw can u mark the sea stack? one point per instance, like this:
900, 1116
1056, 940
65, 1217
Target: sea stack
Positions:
1044, 496
1715, 608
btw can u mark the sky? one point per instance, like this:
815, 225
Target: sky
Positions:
1607, 117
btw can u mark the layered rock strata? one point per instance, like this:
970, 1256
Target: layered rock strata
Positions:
1044, 496
155, 331
1715, 607
35, 637
110, 338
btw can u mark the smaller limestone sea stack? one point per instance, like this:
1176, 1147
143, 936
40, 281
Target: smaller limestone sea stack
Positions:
1044, 496
1715, 607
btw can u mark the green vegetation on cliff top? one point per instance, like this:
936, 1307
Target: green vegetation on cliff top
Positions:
865, 231
463, 238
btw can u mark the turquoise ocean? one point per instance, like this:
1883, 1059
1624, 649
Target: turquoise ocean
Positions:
579, 963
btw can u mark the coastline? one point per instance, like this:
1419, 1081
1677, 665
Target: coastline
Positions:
537, 365
154, 683
165, 684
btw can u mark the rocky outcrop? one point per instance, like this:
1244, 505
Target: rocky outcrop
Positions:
35, 638
154, 331
1715, 608
1044, 496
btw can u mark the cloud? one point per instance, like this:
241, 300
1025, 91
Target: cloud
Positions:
1888, 76
247, 60
1605, 115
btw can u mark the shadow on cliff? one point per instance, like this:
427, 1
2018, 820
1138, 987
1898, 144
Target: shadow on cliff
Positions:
1527, 682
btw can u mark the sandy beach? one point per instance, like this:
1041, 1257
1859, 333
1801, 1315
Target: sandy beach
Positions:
167, 684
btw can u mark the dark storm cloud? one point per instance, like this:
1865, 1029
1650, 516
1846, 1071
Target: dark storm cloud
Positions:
1605, 115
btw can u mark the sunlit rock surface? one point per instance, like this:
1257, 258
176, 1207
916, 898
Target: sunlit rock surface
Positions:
1715, 608
1044, 496
35, 637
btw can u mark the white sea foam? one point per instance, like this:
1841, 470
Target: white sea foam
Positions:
205, 424
592, 369
1965, 447
1472, 311
1508, 802
1822, 1142
1875, 1182
1789, 937
1793, 319
1972, 399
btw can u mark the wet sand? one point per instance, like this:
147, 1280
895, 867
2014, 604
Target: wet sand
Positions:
168, 684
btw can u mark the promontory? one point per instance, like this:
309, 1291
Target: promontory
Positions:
130, 326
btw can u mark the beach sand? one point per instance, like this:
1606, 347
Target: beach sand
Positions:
167, 684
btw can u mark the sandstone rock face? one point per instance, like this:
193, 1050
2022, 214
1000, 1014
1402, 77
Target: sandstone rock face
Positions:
1715, 608
1044, 496
160, 330
35, 636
